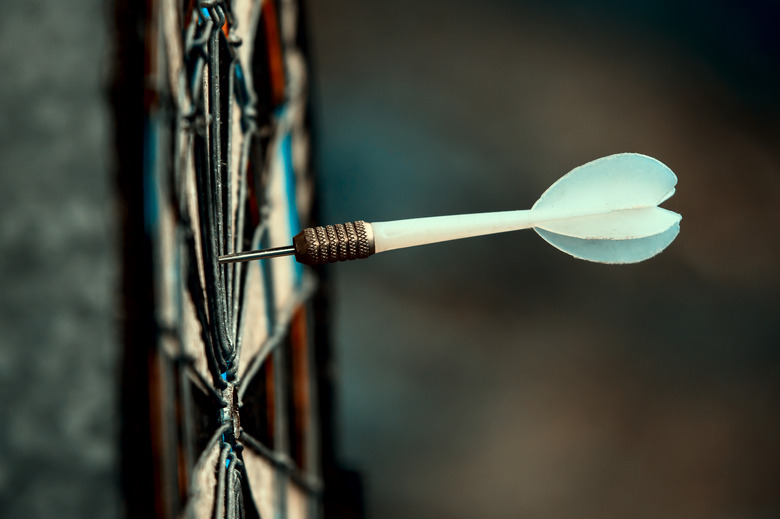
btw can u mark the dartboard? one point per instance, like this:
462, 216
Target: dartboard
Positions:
224, 378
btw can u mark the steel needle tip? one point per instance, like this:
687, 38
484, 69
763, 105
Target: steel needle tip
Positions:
256, 254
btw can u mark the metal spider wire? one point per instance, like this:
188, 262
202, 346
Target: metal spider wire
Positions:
208, 130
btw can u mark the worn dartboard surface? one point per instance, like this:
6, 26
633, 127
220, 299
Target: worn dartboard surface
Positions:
222, 368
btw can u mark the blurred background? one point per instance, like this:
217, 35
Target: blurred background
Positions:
489, 378
498, 377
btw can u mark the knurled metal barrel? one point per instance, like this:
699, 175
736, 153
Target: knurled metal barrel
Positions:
332, 243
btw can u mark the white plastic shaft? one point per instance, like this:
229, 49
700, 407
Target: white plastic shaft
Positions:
399, 234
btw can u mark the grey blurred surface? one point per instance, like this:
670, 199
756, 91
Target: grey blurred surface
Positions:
58, 233
499, 378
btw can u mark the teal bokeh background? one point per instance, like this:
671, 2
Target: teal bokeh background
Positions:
498, 377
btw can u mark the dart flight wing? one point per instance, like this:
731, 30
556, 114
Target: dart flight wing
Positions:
606, 210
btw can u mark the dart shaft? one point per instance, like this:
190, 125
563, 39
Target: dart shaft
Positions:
400, 234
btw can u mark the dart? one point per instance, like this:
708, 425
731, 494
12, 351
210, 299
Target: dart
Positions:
604, 211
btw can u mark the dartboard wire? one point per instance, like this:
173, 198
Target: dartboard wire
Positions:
312, 484
228, 212
241, 93
232, 42
239, 272
190, 122
215, 180
279, 331
235, 208
207, 313
242, 310
220, 299
194, 282
246, 98
206, 387
199, 298
232, 492
219, 506
209, 181
210, 322
221, 161
280, 126
197, 46
200, 465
